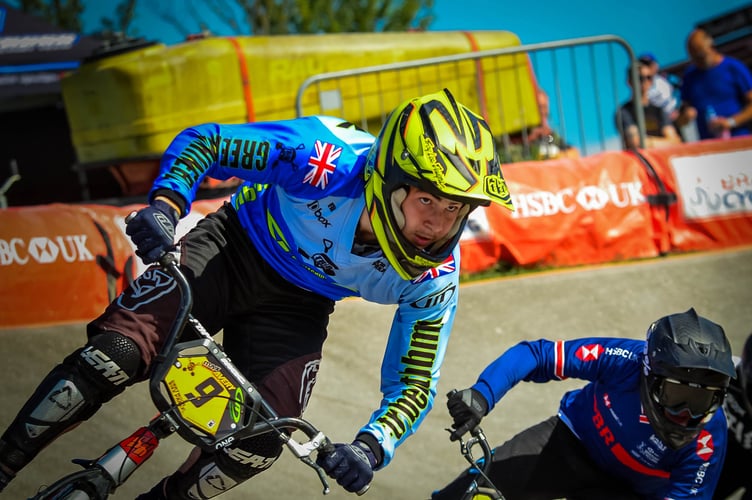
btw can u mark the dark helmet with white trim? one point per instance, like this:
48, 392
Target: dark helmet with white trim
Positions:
687, 366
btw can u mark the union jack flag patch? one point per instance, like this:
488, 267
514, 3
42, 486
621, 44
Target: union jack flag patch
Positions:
445, 267
322, 164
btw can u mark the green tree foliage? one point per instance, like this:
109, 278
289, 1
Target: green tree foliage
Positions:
277, 17
67, 14
63, 13
262, 17
125, 12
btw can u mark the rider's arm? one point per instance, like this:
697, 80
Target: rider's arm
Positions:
545, 360
414, 353
263, 153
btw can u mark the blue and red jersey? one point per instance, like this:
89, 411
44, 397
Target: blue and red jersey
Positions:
607, 415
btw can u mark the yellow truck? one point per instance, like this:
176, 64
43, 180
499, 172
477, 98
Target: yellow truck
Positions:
124, 109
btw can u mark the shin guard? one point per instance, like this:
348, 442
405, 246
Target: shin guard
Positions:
71, 393
206, 475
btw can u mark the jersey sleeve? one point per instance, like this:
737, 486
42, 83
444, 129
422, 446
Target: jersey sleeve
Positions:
414, 353
295, 154
545, 360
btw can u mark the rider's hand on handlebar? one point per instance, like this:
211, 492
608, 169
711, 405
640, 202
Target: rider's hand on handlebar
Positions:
152, 230
467, 407
351, 465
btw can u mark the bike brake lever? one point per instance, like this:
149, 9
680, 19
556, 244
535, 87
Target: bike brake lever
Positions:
303, 451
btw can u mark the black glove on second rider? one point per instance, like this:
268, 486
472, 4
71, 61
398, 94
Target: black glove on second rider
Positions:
467, 407
152, 230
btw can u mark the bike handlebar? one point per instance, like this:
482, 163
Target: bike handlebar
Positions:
477, 438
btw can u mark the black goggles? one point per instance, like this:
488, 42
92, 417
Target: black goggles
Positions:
677, 397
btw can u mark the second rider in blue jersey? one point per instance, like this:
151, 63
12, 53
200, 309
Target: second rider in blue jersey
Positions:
649, 423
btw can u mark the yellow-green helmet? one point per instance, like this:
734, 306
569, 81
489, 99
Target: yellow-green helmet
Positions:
440, 146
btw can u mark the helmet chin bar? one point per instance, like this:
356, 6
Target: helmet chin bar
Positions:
673, 434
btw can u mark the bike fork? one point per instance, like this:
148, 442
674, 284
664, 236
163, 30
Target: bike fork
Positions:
122, 460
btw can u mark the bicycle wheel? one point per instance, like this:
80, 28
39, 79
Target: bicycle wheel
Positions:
88, 484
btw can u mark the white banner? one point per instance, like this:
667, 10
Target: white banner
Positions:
715, 184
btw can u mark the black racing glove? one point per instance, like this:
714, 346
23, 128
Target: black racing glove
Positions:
467, 407
152, 230
350, 464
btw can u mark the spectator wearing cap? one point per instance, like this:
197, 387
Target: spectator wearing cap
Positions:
659, 129
717, 89
661, 92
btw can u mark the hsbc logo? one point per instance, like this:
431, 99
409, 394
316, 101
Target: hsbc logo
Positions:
705, 446
588, 198
589, 352
619, 351
43, 250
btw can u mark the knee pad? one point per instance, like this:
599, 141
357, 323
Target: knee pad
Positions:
252, 455
71, 393
207, 475
109, 362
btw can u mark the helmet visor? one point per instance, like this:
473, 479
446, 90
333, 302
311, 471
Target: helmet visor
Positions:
686, 401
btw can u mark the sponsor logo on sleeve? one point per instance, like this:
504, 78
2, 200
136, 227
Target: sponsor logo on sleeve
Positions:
590, 352
705, 445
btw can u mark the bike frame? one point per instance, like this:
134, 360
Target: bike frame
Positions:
251, 414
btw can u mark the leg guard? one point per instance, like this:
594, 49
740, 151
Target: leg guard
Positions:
71, 393
206, 475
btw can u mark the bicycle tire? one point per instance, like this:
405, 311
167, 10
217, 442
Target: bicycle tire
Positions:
87, 484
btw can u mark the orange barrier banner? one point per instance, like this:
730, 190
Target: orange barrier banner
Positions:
568, 211
61, 263
713, 183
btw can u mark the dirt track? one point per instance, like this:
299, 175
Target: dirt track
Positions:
619, 300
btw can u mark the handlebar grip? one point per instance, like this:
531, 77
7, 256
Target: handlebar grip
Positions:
326, 448
166, 258
461, 430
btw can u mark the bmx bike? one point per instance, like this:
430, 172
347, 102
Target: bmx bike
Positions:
201, 396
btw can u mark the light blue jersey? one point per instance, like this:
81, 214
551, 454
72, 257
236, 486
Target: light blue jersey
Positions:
300, 204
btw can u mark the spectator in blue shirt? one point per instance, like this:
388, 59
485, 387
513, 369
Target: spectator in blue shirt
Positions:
717, 89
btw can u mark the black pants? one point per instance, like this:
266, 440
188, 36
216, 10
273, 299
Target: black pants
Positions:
545, 461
